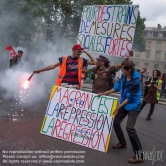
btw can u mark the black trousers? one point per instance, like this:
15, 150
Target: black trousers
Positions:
152, 105
131, 121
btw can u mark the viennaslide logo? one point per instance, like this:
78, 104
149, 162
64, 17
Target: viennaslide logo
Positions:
152, 155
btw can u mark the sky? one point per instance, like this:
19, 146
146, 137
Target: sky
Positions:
153, 11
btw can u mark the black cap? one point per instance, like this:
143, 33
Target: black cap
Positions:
20, 51
103, 58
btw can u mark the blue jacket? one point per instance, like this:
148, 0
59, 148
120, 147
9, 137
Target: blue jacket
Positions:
130, 90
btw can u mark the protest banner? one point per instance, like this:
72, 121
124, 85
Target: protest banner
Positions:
108, 29
12, 52
79, 117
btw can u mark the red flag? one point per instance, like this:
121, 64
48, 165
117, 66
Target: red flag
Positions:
12, 52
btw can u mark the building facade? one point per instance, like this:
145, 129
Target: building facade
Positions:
155, 55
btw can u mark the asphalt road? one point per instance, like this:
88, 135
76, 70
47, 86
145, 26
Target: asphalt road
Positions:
20, 132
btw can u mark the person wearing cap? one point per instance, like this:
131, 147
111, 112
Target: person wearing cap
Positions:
16, 61
103, 74
71, 68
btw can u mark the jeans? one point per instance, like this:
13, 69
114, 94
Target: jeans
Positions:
131, 121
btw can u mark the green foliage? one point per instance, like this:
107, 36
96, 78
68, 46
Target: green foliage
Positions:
20, 20
139, 43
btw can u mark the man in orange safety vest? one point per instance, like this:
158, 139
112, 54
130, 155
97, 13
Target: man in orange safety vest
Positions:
71, 68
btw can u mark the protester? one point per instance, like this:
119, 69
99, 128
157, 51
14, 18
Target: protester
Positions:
153, 94
16, 61
129, 87
144, 74
163, 91
103, 75
71, 73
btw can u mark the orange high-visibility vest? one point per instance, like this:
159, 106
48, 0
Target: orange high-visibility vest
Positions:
62, 71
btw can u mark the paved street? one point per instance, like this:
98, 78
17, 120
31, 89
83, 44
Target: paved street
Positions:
20, 131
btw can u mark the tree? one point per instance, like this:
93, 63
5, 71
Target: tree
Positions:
139, 43
20, 22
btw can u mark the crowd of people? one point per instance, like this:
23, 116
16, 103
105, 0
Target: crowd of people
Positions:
107, 79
